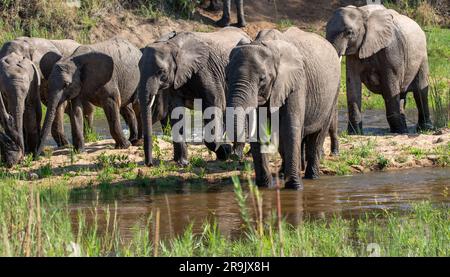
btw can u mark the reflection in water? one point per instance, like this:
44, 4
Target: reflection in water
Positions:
348, 196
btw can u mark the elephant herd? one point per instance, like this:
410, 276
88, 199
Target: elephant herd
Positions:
295, 73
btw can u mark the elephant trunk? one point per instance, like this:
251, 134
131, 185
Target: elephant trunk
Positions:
52, 105
146, 101
241, 100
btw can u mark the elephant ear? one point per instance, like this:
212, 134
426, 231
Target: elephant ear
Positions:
96, 69
47, 62
192, 55
289, 70
379, 33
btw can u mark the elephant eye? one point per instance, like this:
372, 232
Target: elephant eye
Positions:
66, 84
349, 32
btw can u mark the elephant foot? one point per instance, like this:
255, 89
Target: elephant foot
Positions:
124, 145
237, 152
182, 162
149, 163
137, 142
79, 149
294, 185
311, 173
424, 126
355, 128
334, 153
241, 24
402, 130
223, 152
223, 22
62, 142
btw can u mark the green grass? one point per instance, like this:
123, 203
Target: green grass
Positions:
37, 222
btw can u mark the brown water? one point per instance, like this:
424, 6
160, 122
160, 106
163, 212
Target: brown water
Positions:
348, 196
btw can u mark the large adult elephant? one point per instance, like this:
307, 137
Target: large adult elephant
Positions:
19, 86
105, 74
388, 53
187, 66
297, 73
44, 53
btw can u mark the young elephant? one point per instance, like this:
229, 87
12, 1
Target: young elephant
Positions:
187, 66
44, 53
105, 74
296, 73
19, 85
388, 53
10, 150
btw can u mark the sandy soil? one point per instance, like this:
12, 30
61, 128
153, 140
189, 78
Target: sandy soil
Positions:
84, 169
259, 14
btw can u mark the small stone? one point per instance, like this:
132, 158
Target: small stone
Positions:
433, 158
358, 167
33, 176
140, 173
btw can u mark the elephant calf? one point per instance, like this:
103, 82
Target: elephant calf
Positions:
105, 74
19, 86
388, 53
298, 74
185, 67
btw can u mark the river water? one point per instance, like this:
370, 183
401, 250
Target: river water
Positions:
348, 196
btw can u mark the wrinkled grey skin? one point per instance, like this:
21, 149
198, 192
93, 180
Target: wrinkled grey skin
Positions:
297, 73
388, 53
105, 74
225, 20
19, 86
186, 66
10, 150
44, 54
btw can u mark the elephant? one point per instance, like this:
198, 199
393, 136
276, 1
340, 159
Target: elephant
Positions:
10, 150
186, 66
105, 74
19, 86
225, 20
296, 75
388, 53
44, 54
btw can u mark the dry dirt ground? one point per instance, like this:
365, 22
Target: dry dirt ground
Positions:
260, 14
400, 151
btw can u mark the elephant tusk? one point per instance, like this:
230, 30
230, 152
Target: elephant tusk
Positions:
253, 126
340, 59
153, 101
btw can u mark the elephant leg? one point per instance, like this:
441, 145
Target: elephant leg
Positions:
240, 13
395, 118
421, 98
31, 129
213, 6
222, 150
225, 20
281, 151
261, 163
111, 109
128, 115
314, 146
180, 152
58, 127
291, 132
76, 123
333, 133
354, 94
88, 111
137, 112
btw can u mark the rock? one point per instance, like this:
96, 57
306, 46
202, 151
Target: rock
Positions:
140, 173
33, 176
359, 168
433, 158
